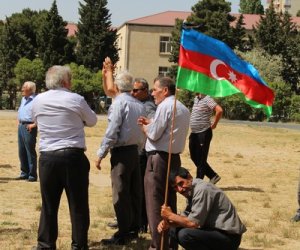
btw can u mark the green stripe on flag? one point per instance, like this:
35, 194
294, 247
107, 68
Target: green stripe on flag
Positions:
198, 82
201, 83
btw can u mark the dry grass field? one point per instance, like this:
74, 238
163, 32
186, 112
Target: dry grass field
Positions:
259, 167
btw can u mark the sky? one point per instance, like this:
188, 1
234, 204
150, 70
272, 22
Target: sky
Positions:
120, 10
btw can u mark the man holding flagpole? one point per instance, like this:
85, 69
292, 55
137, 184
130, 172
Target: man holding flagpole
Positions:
158, 131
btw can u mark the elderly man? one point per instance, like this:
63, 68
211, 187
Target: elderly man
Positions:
61, 116
209, 222
27, 133
158, 132
123, 138
141, 92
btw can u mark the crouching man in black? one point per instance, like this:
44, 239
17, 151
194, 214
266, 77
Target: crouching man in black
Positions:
209, 222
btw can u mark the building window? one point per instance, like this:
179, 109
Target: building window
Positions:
163, 71
165, 44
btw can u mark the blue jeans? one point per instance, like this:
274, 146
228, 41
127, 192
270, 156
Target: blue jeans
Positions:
27, 153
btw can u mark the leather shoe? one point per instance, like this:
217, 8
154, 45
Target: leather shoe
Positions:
114, 240
296, 218
19, 178
143, 229
32, 179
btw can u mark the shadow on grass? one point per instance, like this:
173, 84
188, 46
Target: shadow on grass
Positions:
139, 244
12, 231
250, 249
5, 166
241, 188
7, 179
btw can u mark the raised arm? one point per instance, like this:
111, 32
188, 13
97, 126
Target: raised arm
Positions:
109, 87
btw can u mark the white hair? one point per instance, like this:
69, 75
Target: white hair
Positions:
124, 81
57, 75
30, 85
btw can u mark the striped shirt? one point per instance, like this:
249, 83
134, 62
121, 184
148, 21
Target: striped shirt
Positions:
201, 114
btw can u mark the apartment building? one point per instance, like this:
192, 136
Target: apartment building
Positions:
291, 6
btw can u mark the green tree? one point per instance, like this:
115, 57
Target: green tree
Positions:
213, 18
241, 42
298, 13
294, 109
290, 52
54, 46
268, 32
86, 83
96, 38
251, 7
27, 70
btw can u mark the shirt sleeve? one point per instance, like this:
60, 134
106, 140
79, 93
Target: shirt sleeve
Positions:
201, 205
158, 125
88, 115
111, 135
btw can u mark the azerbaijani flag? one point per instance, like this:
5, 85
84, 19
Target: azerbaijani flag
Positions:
209, 66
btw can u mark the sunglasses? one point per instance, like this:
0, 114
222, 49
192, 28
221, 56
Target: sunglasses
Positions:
136, 90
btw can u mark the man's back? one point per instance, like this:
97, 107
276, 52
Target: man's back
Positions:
61, 117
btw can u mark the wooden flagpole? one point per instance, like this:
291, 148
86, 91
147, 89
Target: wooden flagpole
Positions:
169, 162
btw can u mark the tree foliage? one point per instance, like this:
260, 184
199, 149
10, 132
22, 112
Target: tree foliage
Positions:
86, 83
54, 46
213, 18
96, 38
27, 70
278, 35
251, 7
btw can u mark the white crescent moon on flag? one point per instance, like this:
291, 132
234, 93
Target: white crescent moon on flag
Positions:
213, 68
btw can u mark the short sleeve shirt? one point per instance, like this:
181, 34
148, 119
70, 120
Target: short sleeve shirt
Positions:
211, 208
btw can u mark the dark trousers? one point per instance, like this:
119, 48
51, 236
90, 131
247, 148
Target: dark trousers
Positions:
155, 184
126, 188
27, 153
143, 165
64, 170
199, 147
205, 239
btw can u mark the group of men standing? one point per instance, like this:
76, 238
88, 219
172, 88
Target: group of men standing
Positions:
138, 139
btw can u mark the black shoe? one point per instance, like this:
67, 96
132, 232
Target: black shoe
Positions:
132, 235
19, 178
113, 225
143, 229
115, 240
296, 218
32, 179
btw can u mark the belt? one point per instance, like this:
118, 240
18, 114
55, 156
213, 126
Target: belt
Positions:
124, 148
154, 152
25, 122
63, 151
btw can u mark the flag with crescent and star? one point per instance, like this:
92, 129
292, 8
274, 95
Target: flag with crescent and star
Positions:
209, 66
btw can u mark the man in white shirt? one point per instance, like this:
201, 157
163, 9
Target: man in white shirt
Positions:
158, 130
61, 116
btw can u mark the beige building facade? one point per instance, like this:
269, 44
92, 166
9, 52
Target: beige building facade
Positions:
144, 50
291, 6
145, 44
